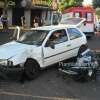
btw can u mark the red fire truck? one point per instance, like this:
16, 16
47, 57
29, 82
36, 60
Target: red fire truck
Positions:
83, 12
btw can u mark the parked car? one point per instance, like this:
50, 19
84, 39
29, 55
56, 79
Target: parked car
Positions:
40, 47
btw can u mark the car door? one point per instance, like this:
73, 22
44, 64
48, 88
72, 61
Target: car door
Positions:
76, 39
57, 51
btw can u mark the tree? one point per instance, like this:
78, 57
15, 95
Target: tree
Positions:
78, 2
69, 3
96, 3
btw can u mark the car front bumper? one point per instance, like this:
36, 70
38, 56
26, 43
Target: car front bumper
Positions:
10, 69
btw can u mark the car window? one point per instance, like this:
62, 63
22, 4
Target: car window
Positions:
35, 37
58, 36
89, 17
73, 33
72, 21
77, 14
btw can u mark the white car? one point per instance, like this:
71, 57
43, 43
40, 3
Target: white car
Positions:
38, 48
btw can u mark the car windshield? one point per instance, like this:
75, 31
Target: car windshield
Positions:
31, 37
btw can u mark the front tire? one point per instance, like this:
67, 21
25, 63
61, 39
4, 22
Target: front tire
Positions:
31, 69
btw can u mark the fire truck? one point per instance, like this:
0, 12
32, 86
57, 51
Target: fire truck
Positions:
83, 12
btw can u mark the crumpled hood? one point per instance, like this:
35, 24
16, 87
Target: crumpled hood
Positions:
11, 49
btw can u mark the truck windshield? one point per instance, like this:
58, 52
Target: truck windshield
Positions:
33, 37
71, 21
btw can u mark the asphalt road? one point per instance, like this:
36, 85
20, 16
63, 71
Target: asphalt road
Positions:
50, 85
94, 43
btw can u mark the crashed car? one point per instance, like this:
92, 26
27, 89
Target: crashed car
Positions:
36, 48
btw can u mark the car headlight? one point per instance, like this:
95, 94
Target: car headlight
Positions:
9, 63
5, 62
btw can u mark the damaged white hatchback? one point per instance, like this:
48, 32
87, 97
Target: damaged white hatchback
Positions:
41, 47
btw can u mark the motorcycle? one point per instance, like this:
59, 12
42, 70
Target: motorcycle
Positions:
85, 66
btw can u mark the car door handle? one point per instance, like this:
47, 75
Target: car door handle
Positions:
68, 45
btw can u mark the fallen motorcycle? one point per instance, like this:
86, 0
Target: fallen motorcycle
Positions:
85, 67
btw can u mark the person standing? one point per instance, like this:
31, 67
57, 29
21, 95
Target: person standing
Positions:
1, 25
36, 21
4, 21
23, 21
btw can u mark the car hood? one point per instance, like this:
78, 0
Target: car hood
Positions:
11, 49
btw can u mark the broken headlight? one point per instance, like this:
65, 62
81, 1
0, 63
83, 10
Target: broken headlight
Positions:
6, 62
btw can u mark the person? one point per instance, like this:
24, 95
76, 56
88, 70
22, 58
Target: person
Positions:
57, 34
41, 22
23, 21
55, 37
4, 21
1, 25
36, 21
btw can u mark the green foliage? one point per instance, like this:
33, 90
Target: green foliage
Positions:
69, 3
96, 3
98, 12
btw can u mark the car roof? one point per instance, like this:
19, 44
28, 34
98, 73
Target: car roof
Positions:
53, 27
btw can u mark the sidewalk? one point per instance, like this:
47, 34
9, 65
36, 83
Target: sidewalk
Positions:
11, 27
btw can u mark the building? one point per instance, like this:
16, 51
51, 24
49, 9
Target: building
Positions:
42, 9
1, 7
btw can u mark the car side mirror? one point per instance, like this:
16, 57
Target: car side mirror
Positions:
50, 44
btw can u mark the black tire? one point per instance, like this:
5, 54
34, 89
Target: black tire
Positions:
83, 76
80, 76
31, 69
82, 49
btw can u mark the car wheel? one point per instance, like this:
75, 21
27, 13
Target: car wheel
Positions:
82, 49
31, 69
